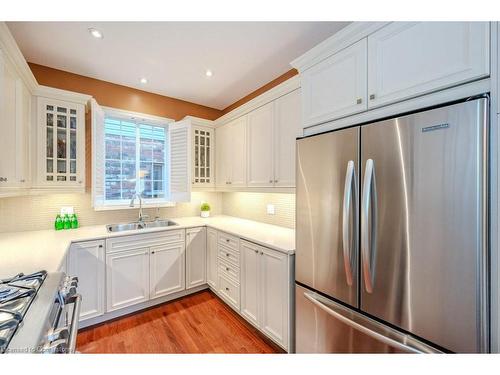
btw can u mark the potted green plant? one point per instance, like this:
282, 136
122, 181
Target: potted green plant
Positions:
205, 209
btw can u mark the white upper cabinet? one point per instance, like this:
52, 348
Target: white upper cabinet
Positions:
203, 156
15, 101
287, 127
335, 87
260, 131
61, 144
222, 160
238, 140
407, 59
231, 154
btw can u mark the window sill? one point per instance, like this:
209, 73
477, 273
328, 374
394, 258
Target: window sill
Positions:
113, 207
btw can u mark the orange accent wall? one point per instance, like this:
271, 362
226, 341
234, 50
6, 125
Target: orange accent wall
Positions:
117, 96
261, 90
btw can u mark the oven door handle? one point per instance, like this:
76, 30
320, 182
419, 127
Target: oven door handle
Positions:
77, 301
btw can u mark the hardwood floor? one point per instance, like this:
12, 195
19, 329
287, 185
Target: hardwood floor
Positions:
199, 323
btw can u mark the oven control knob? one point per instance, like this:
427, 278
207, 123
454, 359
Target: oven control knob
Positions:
58, 333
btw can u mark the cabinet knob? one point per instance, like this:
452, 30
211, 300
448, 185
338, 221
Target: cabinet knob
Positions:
261, 253
256, 251
359, 101
275, 181
100, 246
227, 268
227, 289
152, 252
227, 239
227, 254
22, 180
270, 181
372, 96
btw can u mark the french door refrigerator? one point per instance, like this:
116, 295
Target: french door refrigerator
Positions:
391, 235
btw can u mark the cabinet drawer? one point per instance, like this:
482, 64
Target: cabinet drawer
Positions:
228, 254
123, 243
230, 291
229, 269
230, 241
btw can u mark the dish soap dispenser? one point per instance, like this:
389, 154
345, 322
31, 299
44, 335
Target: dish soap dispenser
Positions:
58, 223
74, 221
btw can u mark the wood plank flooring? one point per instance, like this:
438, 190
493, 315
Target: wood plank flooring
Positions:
199, 323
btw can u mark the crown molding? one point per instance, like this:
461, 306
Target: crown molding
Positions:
283, 88
338, 41
198, 121
14, 54
68, 96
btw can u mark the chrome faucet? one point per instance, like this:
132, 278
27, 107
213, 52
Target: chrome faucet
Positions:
132, 201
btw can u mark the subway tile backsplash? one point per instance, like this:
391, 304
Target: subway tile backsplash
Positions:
38, 212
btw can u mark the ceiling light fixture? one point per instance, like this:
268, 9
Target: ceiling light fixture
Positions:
208, 73
144, 81
95, 33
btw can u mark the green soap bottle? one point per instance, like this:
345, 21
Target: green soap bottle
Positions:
58, 223
66, 222
74, 221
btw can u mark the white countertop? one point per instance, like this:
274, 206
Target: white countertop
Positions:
32, 251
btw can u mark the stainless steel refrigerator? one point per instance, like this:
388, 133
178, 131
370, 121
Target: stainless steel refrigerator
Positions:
391, 235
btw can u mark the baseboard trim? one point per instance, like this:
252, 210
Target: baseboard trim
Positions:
113, 315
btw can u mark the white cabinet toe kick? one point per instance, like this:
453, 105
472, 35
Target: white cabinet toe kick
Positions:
126, 274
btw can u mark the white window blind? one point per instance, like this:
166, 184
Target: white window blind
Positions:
138, 154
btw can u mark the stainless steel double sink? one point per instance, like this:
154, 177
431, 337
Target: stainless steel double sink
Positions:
112, 228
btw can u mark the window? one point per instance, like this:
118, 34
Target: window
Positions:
138, 154
135, 157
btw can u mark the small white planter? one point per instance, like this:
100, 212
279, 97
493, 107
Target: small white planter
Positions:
205, 213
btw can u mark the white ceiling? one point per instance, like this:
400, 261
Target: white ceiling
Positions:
174, 56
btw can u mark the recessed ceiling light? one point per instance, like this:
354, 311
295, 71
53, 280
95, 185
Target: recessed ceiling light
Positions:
95, 33
208, 73
144, 81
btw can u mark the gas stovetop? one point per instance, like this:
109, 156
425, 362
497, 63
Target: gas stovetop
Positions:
16, 296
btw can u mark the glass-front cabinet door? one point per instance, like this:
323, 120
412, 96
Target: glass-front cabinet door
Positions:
203, 147
61, 145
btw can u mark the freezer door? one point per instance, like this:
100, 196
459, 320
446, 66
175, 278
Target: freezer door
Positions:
423, 224
324, 326
327, 213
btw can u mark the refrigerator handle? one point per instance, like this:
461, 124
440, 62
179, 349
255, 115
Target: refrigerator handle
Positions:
349, 195
369, 226
397, 340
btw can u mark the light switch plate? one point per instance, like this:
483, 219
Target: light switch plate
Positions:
270, 209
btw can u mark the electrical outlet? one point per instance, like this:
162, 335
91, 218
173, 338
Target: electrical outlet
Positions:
270, 209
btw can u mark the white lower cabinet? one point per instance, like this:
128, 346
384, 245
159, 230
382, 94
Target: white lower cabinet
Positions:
127, 278
167, 267
143, 267
86, 261
196, 257
265, 290
212, 257
250, 264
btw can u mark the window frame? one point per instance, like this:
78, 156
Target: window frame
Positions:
138, 118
